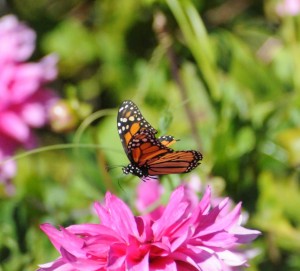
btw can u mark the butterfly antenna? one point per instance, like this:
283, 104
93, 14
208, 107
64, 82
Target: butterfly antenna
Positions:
108, 168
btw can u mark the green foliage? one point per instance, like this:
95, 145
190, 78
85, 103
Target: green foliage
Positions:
225, 84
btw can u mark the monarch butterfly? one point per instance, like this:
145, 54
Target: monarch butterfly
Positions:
148, 155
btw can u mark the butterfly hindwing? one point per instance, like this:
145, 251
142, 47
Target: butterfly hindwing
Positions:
144, 146
167, 140
151, 155
175, 162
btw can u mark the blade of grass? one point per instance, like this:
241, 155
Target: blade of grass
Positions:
198, 41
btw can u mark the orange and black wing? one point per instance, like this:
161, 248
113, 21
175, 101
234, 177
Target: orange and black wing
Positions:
174, 163
167, 140
149, 154
130, 122
144, 146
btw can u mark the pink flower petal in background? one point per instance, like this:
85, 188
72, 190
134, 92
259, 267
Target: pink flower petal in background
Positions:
185, 237
13, 126
288, 8
148, 196
17, 40
24, 98
8, 169
35, 112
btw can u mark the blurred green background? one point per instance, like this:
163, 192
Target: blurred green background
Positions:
223, 76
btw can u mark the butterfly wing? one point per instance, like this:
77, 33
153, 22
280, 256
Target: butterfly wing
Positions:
167, 140
130, 122
174, 162
144, 146
151, 155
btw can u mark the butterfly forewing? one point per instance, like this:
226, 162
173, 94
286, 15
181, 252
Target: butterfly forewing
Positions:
130, 121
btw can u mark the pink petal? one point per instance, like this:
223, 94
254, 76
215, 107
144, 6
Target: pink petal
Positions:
183, 266
140, 265
148, 193
118, 216
34, 111
160, 249
48, 65
57, 265
189, 257
174, 211
200, 259
288, 7
34, 114
13, 126
163, 264
7, 170
143, 224
231, 259
244, 235
28, 78
17, 40
116, 256
91, 230
67, 256
210, 224
219, 239
204, 205
84, 263
71, 242
63, 239
179, 241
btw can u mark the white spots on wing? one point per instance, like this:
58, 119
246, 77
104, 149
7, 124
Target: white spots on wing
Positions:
120, 131
123, 128
127, 127
123, 119
131, 118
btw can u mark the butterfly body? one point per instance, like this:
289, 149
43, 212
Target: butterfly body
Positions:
148, 155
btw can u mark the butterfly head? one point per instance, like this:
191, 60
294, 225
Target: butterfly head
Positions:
132, 169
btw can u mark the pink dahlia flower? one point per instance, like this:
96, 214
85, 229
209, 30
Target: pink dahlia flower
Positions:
24, 98
149, 195
185, 237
